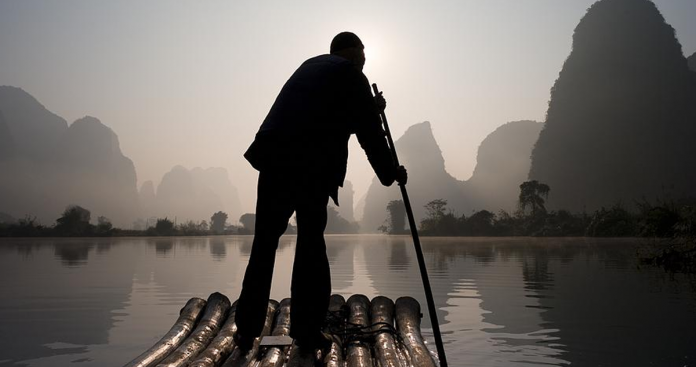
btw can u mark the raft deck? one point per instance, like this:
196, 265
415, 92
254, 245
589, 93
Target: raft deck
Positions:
364, 333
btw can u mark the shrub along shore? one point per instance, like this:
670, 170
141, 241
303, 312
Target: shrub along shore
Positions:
670, 225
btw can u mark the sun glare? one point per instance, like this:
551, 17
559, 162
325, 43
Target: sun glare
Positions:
374, 50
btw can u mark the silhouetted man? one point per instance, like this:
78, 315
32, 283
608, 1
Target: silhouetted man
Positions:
301, 152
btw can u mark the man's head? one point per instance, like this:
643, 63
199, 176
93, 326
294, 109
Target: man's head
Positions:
349, 46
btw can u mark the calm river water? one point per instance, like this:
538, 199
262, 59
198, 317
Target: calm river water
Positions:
501, 302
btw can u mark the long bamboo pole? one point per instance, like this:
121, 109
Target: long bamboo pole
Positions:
416, 243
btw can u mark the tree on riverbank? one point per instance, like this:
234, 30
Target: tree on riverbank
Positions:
163, 227
532, 194
248, 221
674, 228
74, 222
218, 222
674, 222
440, 220
25, 227
396, 218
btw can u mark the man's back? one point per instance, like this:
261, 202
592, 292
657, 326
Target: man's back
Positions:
311, 97
310, 122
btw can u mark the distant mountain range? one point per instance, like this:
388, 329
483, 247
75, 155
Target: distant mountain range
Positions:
47, 165
191, 195
427, 178
502, 165
51, 165
346, 196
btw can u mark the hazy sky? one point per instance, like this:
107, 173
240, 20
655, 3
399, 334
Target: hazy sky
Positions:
189, 82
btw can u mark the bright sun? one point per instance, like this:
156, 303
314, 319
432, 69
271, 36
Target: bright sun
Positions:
373, 55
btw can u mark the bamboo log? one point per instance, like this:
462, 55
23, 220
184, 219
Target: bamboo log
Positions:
172, 339
408, 315
386, 350
206, 329
334, 357
358, 353
221, 347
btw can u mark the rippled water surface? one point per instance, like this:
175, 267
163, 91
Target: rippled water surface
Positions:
500, 302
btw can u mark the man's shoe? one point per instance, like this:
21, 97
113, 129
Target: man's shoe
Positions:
242, 341
301, 357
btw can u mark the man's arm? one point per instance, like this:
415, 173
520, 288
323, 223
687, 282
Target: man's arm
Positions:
364, 115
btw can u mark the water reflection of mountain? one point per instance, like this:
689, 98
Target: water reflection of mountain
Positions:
543, 301
51, 308
163, 246
218, 248
176, 268
73, 254
88, 299
341, 254
571, 300
283, 244
398, 257
606, 313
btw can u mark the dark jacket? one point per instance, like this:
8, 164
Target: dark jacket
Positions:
307, 129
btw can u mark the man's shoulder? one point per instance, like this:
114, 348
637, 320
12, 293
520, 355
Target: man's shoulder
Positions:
335, 65
326, 67
328, 59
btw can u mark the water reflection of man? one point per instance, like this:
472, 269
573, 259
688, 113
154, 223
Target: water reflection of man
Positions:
301, 153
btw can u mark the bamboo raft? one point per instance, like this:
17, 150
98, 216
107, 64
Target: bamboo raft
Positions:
377, 333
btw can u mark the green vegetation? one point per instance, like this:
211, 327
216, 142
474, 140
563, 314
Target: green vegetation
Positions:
536, 221
248, 221
662, 220
532, 194
675, 226
396, 221
75, 222
218, 222
163, 227
26, 227
671, 225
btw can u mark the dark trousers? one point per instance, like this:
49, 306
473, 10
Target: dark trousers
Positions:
279, 195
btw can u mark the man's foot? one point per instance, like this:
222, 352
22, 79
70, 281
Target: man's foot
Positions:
242, 341
301, 357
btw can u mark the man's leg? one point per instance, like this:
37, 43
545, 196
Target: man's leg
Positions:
311, 277
273, 210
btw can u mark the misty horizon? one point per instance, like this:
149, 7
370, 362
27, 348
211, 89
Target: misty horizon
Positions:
189, 85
